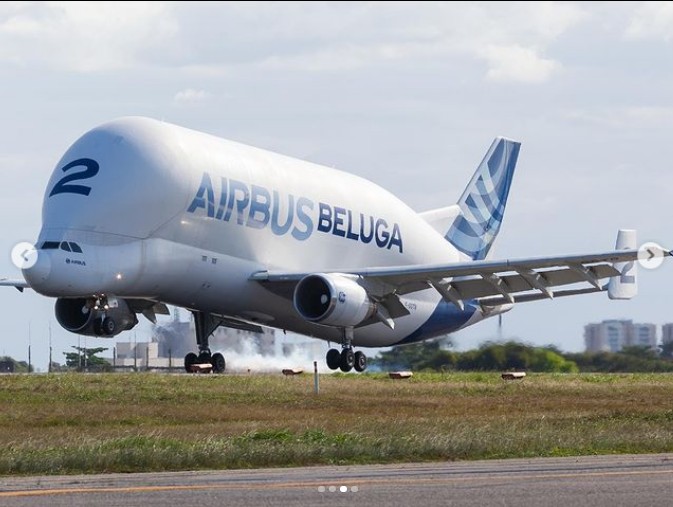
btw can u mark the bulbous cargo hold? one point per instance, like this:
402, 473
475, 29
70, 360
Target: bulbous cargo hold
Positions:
140, 214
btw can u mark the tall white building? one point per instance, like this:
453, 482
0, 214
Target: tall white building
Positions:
614, 335
644, 335
667, 333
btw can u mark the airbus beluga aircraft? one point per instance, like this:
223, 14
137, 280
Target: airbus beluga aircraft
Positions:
140, 213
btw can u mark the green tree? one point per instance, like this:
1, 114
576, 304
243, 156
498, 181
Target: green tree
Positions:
19, 366
642, 351
417, 356
490, 356
85, 358
441, 360
630, 362
548, 360
666, 350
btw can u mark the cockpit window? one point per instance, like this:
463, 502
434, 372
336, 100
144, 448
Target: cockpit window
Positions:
66, 246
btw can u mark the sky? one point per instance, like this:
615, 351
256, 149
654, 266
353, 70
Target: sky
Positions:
408, 95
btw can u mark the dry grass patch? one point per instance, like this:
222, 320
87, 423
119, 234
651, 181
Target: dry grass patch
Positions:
71, 423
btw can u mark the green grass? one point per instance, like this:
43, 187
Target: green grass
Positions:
78, 423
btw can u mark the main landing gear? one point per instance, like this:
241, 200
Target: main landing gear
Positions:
346, 360
205, 325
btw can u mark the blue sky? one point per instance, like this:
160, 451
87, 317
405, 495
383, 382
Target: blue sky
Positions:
407, 95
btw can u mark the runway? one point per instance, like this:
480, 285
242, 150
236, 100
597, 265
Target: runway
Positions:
622, 480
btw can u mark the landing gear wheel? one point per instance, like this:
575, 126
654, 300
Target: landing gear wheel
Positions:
333, 359
204, 357
218, 363
109, 326
360, 361
190, 359
347, 360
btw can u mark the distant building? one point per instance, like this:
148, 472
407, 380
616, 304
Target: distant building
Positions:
644, 335
667, 333
614, 335
595, 339
141, 355
173, 341
178, 338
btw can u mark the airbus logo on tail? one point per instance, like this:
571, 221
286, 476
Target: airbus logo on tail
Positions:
258, 207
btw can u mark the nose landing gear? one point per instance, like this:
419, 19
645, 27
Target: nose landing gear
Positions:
104, 325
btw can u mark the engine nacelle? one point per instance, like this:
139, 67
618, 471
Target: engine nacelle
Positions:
80, 315
332, 300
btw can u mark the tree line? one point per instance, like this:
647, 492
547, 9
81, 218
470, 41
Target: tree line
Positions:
512, 355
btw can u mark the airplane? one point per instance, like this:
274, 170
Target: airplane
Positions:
139, 214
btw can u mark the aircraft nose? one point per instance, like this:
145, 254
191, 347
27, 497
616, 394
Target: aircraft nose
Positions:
37, 269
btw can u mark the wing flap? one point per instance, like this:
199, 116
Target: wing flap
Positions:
400, 275
525, 298
508, 280
475, 288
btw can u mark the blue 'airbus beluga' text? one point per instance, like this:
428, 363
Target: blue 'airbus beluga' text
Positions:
258, 207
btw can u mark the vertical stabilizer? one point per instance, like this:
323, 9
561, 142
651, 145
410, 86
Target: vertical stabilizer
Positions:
482, 205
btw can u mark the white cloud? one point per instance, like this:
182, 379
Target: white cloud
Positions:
83, 36
348, 57
652, 20
190, 96
633, 117
518, 64
511, 38
93, 36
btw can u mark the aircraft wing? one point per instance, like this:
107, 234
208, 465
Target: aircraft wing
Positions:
19, 283
489, 282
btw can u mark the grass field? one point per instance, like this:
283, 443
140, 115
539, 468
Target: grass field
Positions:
81, 423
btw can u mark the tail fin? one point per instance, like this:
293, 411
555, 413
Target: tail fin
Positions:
482, 205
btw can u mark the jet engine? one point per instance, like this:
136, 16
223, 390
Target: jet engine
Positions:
89, 317
332, 300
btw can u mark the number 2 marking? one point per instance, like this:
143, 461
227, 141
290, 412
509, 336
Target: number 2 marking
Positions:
63, 186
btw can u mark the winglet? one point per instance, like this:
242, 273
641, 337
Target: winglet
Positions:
625, 285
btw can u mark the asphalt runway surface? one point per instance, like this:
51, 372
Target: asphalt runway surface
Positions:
622, 480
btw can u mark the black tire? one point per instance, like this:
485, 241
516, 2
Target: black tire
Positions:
218, 363
204, 357
190, 359
347, 360
333, 359
360, 361
109, 326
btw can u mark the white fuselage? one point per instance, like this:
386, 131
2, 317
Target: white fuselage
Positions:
181, 217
